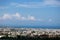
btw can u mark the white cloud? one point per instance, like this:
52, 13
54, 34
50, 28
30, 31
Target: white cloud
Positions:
53, 3
10, 16
31, 18
16, 16
23, 18
6, 16
27, 5
44, 3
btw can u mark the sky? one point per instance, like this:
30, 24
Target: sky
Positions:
30, 12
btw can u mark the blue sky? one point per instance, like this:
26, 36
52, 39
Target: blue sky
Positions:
30, 12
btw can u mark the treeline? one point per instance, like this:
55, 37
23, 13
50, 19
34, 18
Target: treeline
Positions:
28, 38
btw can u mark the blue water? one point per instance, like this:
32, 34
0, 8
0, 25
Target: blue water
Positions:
49, 27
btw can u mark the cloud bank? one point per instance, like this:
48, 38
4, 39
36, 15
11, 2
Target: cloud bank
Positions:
16, 16
44, 3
